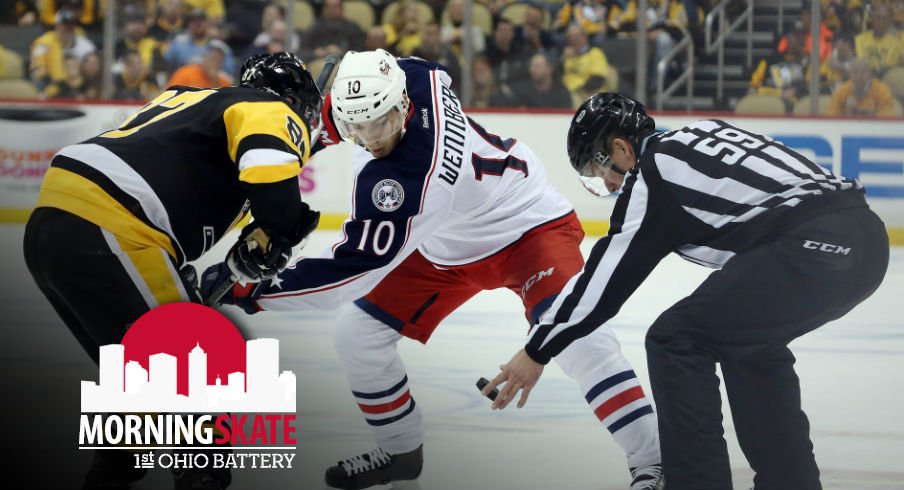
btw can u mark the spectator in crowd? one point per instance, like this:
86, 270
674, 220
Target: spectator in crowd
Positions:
134, 80
190, 46
586, 70
803, 26
696, 13
403, 33
863, 94
895, 8
376, 39
838, 64
433, 49
86, 13
214, 9
852, 22
622, 18
209, 72
785, 74
243, 19
332, 33
834, 11
533, 34
82, 81
278, 31
67, 87
452, 33
50, 50
507, 58
136, 38
18, 12
881, 46
667, 19
544, 89
271, 12
91, 76
485, 93
592, 16
170, 22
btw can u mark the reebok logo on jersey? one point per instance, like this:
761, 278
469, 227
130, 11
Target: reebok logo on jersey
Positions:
827, 247
425, 118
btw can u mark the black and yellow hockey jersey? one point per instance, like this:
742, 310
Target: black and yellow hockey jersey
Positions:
180, 172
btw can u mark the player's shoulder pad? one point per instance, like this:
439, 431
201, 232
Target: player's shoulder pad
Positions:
415, 63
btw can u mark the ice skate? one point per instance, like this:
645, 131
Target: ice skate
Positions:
647, 478
375, 468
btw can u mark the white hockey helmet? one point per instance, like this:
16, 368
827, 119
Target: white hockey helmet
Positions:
369, 99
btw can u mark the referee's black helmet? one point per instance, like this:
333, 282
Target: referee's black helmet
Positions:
598, 118
285, 75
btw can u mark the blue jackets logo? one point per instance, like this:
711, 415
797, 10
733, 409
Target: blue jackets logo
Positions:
388, 195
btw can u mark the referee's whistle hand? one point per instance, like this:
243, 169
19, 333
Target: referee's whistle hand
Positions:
520, 374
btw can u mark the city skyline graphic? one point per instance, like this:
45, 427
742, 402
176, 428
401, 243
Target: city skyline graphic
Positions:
128, 387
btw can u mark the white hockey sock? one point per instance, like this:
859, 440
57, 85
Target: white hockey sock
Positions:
612, 390
378, 380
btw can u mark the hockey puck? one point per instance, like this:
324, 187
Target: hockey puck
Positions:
483, 382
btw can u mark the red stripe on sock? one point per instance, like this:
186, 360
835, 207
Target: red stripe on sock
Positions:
386, 407
618, 401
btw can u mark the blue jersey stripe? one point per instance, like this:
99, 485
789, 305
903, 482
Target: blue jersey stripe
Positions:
381, 394
631, 417
608, 383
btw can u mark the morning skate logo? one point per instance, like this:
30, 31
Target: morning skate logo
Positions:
184, 379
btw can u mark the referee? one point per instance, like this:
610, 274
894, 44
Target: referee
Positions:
795, 247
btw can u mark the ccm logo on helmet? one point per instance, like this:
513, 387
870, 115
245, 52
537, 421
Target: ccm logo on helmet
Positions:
827, 247
358, 111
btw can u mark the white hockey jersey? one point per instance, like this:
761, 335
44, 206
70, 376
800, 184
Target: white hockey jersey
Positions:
450, 189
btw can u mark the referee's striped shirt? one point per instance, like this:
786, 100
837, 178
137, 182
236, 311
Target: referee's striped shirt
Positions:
707, 192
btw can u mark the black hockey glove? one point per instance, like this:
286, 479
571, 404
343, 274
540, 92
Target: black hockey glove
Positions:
305, 226
257, 256
260, 255
242, 295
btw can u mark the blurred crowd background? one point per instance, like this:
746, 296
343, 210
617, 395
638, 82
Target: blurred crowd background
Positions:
745, 56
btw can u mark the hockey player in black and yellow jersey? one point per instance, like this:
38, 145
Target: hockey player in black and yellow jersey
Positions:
119, 215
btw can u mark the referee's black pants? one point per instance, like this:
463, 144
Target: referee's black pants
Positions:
743, 317
98, 283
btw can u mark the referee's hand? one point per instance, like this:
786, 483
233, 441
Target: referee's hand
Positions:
521, 373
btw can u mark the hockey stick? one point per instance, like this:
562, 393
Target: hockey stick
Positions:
329, 63
258, 236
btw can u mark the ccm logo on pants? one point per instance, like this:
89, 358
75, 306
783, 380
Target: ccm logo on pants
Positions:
826, 247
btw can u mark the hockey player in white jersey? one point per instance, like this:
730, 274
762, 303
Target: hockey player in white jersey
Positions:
441, 210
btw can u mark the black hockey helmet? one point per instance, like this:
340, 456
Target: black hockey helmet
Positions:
285, 75
597, 119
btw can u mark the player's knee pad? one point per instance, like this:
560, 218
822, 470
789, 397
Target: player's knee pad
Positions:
360, 339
